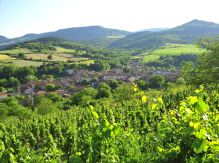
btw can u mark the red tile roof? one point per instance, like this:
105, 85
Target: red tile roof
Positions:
3, 93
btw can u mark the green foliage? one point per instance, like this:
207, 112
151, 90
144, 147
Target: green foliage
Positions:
180, 127
50, 87
169, 61
47, 76
205, 70
124, 93
30, 77
54, 97
49, 57
183, 34
126, 70
2, 89
45, 106
181, 81
70, 87
156, 80
85, 82
113, 83
21, 56
141, 84
82, 98
104, 90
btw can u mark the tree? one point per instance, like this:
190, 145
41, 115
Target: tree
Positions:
180, 81
156, 80
70, 87
38, 99
27, 101
22, 56
103, 90
113, 83
47, 76
2, 89
45, 107
85, 82
81, 98
141, 84
93, 80
206, 69
50, 87
29, 78
54, 97
49, 56
126, 70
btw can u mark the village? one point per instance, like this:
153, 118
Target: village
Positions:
34, 87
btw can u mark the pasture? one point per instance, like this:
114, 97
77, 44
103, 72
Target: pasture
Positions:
55, 57
6, 57
16, 51
177, 49
63, 50
88, 62
25, 62
115, 36
148, 58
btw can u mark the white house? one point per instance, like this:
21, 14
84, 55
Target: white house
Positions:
3, 95
69, 71
27, 90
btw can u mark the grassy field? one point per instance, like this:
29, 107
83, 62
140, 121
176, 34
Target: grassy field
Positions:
25, 62
6, 57
177, 49
88, 62
16, 51
148, 58
115, 36
55, 57
63, 50
171, 49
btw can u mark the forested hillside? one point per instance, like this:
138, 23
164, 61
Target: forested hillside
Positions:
103, 56
183, 34
72, 34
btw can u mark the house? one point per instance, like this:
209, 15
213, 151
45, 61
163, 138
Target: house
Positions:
3, 95
27, 90
69, 71
49, 79
56, 65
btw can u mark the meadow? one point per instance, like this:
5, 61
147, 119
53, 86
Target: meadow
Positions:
6, 57
25, 62
170, 49
148, 58
17, 51
55, 57
177, 49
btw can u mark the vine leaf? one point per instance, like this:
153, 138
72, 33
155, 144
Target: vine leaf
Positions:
200, 146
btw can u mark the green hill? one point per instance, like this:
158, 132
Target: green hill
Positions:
72, 34
67, 51
183, 34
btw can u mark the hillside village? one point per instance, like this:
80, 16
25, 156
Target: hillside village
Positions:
34, 87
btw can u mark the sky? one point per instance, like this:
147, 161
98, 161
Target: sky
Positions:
20, 17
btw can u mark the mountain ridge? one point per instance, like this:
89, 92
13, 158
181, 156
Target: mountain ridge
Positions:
183, 34
71, 34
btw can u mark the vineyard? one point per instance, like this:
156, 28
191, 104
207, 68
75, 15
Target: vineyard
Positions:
175, 128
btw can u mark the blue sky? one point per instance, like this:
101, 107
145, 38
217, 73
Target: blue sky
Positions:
20, 17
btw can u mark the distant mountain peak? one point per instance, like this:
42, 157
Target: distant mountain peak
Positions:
200, 22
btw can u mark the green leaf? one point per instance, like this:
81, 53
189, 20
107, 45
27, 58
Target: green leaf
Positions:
201, 133
117, 130
75, 159
190, 130
102, 123
199, 146
95, 114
